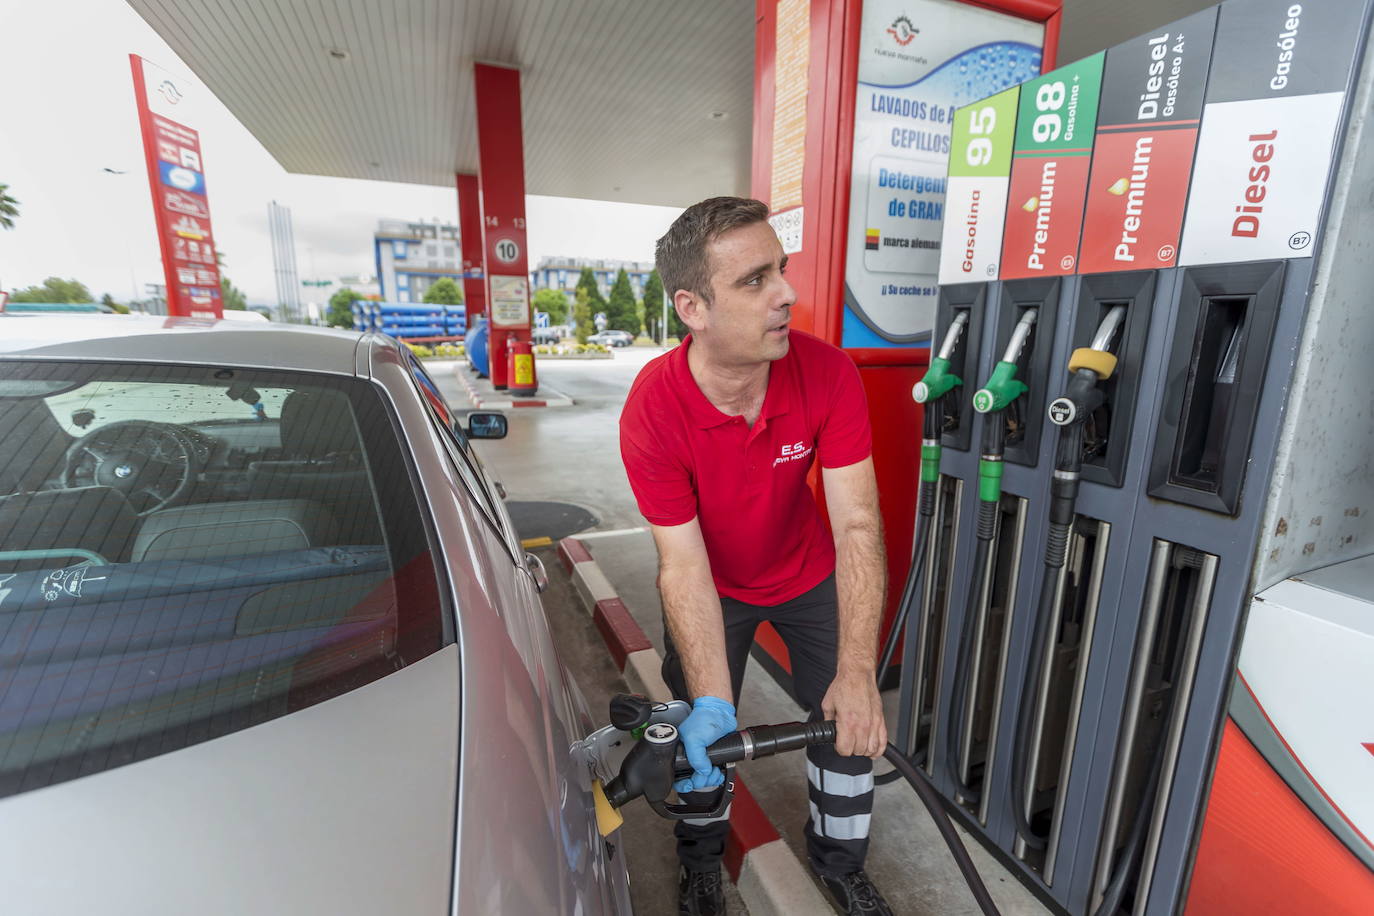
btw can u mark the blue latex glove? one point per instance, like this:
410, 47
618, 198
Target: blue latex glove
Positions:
710, 720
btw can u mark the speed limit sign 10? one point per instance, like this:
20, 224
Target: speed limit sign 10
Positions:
507, 251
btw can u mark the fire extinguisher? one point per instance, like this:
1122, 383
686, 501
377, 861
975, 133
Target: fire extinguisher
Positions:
520, 374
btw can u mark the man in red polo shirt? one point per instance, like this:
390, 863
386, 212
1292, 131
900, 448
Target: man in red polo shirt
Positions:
717, 437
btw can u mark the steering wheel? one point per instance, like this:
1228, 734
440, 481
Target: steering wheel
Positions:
144, 460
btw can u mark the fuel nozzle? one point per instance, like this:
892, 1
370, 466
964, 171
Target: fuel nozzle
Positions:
1003, 387
939, 380
1088, 366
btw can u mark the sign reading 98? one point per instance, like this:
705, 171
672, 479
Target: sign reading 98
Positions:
1049, 99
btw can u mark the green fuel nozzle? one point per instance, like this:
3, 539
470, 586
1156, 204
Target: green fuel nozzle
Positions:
1003, 387
938, 380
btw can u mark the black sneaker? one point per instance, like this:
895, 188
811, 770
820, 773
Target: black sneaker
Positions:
699, 893
855, 894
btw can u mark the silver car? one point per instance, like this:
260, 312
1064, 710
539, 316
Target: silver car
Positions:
268, 641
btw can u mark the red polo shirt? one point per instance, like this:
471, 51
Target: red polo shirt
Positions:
747, 487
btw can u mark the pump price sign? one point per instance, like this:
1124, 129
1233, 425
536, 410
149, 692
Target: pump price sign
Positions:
976, 197
1049, 171
1152, 91
1269, 129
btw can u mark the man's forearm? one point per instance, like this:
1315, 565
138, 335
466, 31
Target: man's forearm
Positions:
861, 586
691, 607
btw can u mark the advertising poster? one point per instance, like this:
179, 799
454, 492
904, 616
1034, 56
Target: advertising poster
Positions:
1269, 130
1152, 91
510, 303
919, 60
176, 174
1049, 171
979, 174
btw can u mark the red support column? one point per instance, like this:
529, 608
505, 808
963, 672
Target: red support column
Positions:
501, 172
470, 233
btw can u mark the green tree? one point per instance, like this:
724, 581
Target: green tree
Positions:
340, 313
620, 311
231, 296
587, 282
9, 208
582, 316
54, 289
653, 303
109, 302
443, 292
554, 302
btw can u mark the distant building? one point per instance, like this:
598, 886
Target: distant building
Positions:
562, 274
284, 262
411, 256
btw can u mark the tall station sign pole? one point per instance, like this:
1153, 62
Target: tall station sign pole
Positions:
176, 177
501, 158
470, 235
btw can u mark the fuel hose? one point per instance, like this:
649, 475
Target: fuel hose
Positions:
992, 400
1088, 366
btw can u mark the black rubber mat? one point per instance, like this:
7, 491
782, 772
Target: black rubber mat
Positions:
547, 519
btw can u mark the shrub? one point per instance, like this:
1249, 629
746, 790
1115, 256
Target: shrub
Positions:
420, 350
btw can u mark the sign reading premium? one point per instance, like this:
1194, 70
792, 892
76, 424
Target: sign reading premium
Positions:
1274, 104
176, 175
1049, 171
976, 201
918, 61
1152, 91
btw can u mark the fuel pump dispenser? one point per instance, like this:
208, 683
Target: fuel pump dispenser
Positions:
1167, 690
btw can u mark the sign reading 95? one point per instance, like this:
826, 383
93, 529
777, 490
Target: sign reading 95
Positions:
981, 141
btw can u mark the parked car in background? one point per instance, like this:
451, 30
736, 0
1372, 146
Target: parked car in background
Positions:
271, 643
612, 338
548, 335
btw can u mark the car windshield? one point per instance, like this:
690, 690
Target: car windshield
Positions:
185, 552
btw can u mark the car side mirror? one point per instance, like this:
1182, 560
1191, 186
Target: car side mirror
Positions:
487, 426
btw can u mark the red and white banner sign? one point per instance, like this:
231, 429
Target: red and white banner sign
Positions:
176, 175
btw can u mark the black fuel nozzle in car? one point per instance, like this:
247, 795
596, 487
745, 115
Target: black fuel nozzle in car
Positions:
658, 760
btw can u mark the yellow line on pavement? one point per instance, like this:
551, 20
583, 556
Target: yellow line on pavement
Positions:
536, 542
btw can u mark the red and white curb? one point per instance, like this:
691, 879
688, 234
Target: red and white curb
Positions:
493, 402
769, 877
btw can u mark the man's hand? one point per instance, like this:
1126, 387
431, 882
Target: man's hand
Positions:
710, 720
853, 703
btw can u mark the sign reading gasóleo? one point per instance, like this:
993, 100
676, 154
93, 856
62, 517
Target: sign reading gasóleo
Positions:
1152, 91
976, 197
1269, 129
1049, 171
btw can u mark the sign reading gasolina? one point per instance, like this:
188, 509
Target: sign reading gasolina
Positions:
976, 202
918, 61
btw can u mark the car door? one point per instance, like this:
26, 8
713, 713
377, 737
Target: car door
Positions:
515, 758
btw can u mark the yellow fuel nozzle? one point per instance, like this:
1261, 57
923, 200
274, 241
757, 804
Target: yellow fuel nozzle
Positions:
608, 819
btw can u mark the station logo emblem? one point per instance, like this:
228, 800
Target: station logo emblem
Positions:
169, 91
902, 31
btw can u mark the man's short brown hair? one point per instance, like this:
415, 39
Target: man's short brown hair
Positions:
681, 256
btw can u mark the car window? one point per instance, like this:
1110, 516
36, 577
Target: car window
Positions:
464, 459
185, 552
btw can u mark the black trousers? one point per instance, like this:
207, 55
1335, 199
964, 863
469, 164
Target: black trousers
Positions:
840, 788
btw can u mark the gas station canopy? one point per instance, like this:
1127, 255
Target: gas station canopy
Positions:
623, 101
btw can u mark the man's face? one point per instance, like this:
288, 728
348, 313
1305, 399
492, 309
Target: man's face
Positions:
746, 323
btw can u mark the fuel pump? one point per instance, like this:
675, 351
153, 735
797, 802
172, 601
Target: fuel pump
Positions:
993, 399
